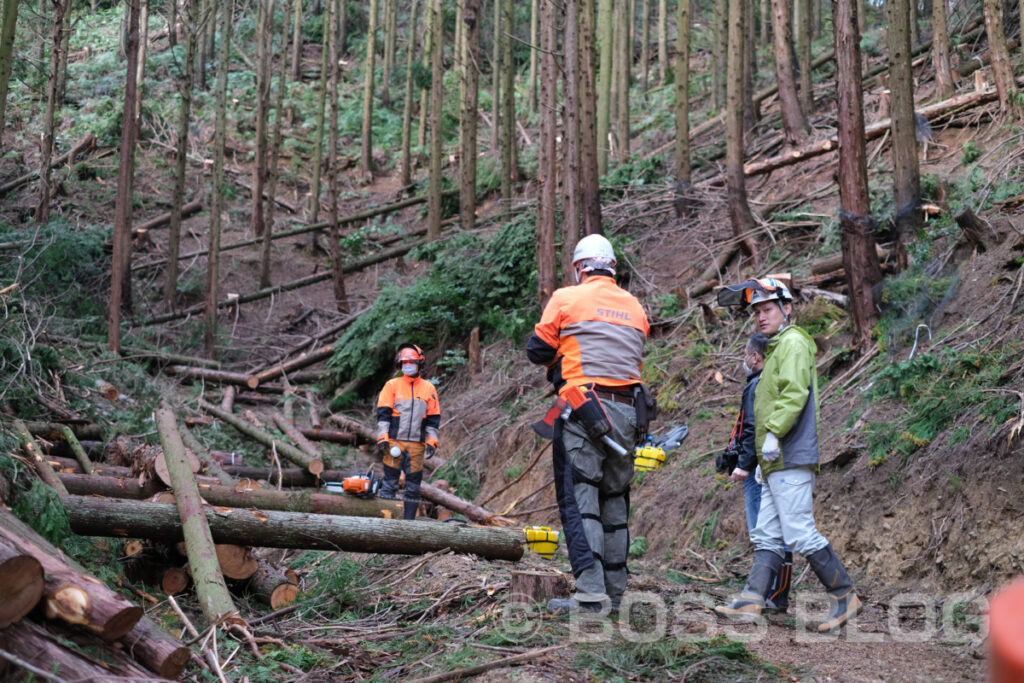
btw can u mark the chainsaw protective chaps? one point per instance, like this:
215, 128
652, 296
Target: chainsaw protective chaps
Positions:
592, 488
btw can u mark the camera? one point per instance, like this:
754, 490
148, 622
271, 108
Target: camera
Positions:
727, 461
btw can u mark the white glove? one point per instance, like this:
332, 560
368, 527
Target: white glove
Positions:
758, 477
770, 449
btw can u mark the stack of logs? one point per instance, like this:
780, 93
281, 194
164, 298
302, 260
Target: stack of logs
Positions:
46, 599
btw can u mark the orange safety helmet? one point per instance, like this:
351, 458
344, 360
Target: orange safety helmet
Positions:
410, 353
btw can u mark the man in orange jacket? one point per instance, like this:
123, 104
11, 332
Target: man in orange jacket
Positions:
408, 417
592, 335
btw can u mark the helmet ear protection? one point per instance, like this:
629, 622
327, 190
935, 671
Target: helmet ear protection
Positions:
410, 353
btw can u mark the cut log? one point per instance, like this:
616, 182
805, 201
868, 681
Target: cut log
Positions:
236, 561
709, 278
52, 431
329, 435
48, 655
243, 497
105, 612
302, 361
210, 461
31, 448
212, 592
160, 466
111, 487
365, 433
268, 528
163, 219
313, 465
272, 586
155, 648
537, 587
452, 502
830, 264
21, 583
174, 580
215, 376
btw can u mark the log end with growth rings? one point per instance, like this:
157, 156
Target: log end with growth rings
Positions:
21, 587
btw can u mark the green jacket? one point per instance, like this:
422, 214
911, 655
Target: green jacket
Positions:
786, 401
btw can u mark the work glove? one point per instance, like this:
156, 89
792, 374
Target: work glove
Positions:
382, 446
428, 453
770, 449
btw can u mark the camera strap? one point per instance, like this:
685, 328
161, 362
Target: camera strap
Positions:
737, 428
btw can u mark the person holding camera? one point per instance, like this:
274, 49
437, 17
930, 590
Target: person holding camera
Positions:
786, 437
740, 460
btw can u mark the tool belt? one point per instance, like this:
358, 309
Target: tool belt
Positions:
616, 395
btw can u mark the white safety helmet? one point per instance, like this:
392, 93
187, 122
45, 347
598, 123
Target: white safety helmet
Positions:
593, 252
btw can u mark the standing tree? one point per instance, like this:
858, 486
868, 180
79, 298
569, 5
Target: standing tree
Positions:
390, 22
297, 42
624, 61
264, 33
321, 106
589, 179
906, 174
572, 196
719, 45
120, 261
860, 259
682, 95
337, 272
410, 56
42, 213
470, 77
803, 33
1002, 69
436, 99
275, 147
605, 32
531, 79
645, 45
940, 51
219, 142
496, 79
191, 27
662, 41
508, 111
9, 21
793, 120
547, 179
140, 66
366, 159
739, 210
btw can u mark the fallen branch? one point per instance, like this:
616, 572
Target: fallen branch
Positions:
163, 219
457, 674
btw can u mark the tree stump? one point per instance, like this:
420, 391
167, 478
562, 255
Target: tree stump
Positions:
537, 587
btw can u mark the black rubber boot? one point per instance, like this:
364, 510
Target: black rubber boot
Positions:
412, 494
389, 488
748, 606
843, 599
776, 600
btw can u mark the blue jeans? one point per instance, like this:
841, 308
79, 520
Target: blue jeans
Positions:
752, 496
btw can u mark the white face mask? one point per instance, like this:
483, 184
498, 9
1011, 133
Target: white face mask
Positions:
410, 369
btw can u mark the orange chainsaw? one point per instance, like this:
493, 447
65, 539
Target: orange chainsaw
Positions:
362, 485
